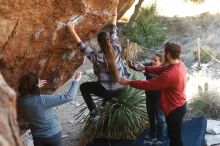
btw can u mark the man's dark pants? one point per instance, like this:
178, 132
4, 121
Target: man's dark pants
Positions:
174, 125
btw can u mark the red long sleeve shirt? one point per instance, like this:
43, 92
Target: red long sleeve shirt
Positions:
171, 82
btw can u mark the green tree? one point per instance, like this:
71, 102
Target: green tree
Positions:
136, 12
146, 31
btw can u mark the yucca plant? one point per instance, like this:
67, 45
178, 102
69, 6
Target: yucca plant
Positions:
124, 117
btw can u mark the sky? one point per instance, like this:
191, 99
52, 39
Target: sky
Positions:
181, 8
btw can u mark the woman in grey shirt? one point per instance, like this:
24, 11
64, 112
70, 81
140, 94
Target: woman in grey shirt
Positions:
44, 125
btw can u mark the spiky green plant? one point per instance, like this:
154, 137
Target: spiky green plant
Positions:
124, 117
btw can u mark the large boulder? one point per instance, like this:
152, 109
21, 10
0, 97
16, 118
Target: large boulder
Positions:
9, 133
34, 36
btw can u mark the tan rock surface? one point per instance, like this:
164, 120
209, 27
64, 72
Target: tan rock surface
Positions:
9, 133
34, 37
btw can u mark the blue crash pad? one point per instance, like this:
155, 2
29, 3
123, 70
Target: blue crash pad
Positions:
193, 133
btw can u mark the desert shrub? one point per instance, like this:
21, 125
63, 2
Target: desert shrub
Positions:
134, 52
204, 57
207, 102
146, 32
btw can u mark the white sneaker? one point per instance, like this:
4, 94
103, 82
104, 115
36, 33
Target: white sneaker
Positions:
158, 143
150, 141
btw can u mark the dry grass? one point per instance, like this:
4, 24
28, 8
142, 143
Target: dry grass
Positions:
207, 102
205, 58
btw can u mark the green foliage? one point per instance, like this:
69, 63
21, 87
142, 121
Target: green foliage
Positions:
207, 102
146, 32
124, 117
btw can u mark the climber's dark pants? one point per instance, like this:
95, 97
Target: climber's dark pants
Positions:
95, 88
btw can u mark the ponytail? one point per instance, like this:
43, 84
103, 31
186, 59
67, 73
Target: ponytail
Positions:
109, 54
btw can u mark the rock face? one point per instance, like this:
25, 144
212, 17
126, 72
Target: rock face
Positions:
9, 135
34, 36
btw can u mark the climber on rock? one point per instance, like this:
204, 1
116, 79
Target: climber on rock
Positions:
107, 65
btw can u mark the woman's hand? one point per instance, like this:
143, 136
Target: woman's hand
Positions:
140, 66
78, 76
130, 63
41, 83
124, 81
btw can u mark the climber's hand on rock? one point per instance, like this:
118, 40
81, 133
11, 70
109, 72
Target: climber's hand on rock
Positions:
116, 1
70, 25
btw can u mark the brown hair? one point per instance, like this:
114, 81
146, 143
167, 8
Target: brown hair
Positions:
28, 84
174, 49
161, 57
109, 53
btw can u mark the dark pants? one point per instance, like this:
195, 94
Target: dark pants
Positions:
155, 116
94, 88
174, 125
55, 140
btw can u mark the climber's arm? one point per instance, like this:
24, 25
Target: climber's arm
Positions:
115, 15
89, 52
71, 28
113, 32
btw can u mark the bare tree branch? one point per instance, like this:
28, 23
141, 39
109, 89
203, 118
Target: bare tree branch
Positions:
136, 12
